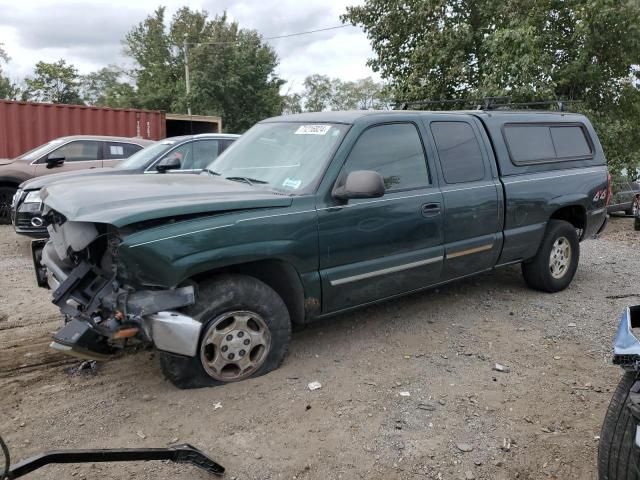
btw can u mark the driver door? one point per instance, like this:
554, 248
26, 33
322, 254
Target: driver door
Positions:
375, 248
77, 154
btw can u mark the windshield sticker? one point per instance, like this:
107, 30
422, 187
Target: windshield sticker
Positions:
313, 129
291, 183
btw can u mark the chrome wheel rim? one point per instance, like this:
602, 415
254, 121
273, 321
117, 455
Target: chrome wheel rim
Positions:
560, 257
235, 345
635, 207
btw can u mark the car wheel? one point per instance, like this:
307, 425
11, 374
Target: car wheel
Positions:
556, 262
6, 197
246, 333
618, 457
635, 208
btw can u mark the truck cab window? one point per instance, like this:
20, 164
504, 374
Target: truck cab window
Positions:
459, 152
395, 152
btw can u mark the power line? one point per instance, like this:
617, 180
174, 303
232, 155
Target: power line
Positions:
288, 35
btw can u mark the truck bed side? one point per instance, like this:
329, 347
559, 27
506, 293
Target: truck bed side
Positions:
537, 191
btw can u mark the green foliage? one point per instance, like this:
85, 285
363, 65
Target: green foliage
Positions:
104, 88
231, 69
55, 82
8, 90
526, 49
323, 93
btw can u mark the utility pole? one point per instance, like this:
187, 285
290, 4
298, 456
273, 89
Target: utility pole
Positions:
186, 73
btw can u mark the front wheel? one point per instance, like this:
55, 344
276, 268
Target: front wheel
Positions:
556, 262
618, 457
246, 333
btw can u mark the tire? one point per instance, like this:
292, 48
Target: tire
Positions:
617, 456
6, 196
560, 240
234, 305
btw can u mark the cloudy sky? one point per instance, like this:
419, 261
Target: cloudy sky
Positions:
88, 33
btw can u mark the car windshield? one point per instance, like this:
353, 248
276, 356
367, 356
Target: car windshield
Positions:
141, 158
284, 156
41, 150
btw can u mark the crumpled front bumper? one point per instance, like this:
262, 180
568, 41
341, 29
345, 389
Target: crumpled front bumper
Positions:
626, 346
101, 312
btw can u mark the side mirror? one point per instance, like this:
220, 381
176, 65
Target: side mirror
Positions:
171, 163
55, 160
360, 184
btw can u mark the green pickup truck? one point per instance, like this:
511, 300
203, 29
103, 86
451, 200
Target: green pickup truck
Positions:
309, 215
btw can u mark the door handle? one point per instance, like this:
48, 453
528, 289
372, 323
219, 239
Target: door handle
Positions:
430, 209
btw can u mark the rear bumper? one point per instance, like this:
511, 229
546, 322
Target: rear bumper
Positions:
596, 222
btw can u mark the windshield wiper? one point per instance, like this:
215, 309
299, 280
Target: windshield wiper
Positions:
211, 172
248, 180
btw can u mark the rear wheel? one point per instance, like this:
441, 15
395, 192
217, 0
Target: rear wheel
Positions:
556, 262
618, 457
246, 333
6, 197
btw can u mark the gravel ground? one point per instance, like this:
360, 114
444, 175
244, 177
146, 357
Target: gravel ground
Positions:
460, 419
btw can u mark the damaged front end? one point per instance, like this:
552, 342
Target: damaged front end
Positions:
626, 347
105, 311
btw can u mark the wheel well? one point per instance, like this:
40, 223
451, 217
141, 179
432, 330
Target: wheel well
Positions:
9, 184
574, 214
279, 275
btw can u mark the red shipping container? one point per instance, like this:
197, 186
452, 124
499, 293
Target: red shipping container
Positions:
25, 125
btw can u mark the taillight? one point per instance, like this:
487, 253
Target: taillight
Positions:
609, 190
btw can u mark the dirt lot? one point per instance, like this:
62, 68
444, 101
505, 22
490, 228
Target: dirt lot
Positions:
540, 420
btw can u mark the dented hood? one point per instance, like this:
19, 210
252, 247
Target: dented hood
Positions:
126, 199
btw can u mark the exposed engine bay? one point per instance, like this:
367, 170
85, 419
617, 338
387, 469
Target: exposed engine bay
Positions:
104, 314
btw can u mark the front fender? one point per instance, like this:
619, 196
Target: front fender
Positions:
172, 254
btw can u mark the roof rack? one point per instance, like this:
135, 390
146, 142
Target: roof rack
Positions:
487, 103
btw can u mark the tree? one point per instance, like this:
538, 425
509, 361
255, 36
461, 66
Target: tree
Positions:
323, 93
8, 90
104, 88
55, 82
318, 93
232, 71
446, 49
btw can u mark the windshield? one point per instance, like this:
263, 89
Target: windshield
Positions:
41, 150
284, 156
142, 157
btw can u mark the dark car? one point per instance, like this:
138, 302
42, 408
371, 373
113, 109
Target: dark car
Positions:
186, 154
625, 195
64, 154
619, 447
310, 215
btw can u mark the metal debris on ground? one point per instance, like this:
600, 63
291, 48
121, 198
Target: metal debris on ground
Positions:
88, 367
498, 367
405, 394
314, 386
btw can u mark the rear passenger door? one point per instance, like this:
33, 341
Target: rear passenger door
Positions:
114, 152
378, 247
470, 189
